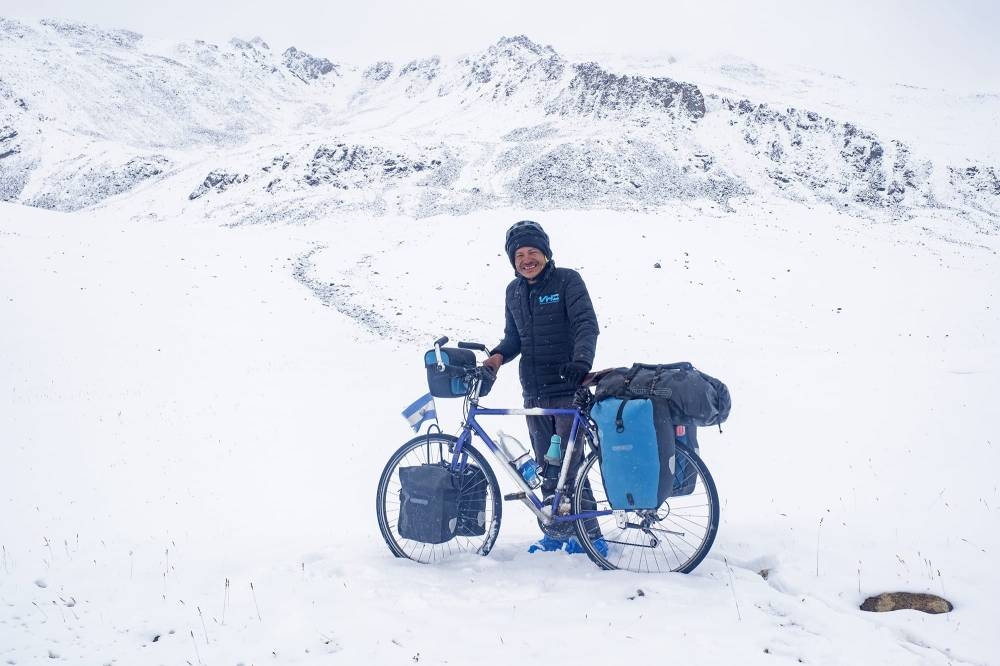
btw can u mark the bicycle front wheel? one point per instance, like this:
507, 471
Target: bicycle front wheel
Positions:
436, 449
675, 537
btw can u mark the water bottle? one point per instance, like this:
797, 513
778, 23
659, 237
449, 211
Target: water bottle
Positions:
553, 462
520, 459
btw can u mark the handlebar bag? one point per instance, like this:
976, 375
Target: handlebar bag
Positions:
453, 380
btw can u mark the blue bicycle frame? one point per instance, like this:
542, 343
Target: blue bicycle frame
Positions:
527, 494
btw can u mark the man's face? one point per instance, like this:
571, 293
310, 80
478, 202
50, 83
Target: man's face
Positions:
529, 262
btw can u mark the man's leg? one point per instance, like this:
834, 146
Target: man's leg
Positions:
541, 429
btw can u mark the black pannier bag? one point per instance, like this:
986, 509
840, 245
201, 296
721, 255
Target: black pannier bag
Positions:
437, 504
451, 382
637, 451
428, 499
693, 397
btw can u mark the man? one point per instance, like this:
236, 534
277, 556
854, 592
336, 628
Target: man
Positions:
551, 323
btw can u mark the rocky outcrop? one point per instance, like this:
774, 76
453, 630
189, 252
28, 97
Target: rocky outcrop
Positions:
83, 32
380, 71
12, 29
217, 181
976, 178
14, 168
594, 91
511, 63
347, 166
808, 155
306, 67
417, 75
84, 184
626, 174
8, 146
514, 124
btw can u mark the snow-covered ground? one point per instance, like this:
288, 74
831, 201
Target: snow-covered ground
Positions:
195, 417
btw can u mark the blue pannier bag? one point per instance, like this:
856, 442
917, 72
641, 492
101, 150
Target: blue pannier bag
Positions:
637, 451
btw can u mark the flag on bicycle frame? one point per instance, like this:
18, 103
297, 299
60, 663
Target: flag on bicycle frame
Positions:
421, 410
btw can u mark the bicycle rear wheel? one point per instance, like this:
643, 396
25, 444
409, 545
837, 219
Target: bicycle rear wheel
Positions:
675, 537
434, 449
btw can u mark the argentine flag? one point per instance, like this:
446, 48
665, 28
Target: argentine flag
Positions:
421, 410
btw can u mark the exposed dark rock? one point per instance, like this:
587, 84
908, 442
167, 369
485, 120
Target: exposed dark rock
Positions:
891, 601
859, 165
512, 61
219, 181
255, 51
980, 179
278, 161
12, 29
306, 67
380, 71
427, 69
82, 31
86, 184
345, 166
521, 43
595, 91
630, 175
535, 133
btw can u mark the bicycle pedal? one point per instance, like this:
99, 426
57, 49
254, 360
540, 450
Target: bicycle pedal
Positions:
514, 496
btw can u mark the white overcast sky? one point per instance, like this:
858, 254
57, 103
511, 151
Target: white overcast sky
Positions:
937, 43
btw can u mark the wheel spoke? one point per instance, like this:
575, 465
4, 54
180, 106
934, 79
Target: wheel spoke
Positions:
683, 535
434, 450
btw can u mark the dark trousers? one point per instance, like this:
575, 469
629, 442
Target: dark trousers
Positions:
541, 429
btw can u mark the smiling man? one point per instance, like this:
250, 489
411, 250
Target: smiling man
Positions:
551, 323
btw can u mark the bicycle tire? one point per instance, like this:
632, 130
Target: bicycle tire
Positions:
676, 537
433, 448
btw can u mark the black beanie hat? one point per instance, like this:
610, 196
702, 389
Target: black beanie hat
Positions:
527, 234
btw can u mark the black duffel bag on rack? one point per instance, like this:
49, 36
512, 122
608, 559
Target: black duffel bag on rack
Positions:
692, 397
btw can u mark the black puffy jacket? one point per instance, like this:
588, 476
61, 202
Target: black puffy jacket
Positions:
550, 323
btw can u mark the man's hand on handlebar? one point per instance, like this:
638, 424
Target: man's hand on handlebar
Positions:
494, 362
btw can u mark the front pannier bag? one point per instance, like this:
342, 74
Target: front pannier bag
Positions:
637, 451
452, 382
428, 499
437, 504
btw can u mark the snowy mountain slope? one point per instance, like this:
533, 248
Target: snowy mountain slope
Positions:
516, 124
193, 409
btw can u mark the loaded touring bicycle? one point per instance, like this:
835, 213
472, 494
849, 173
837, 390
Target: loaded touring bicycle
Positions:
643, 500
